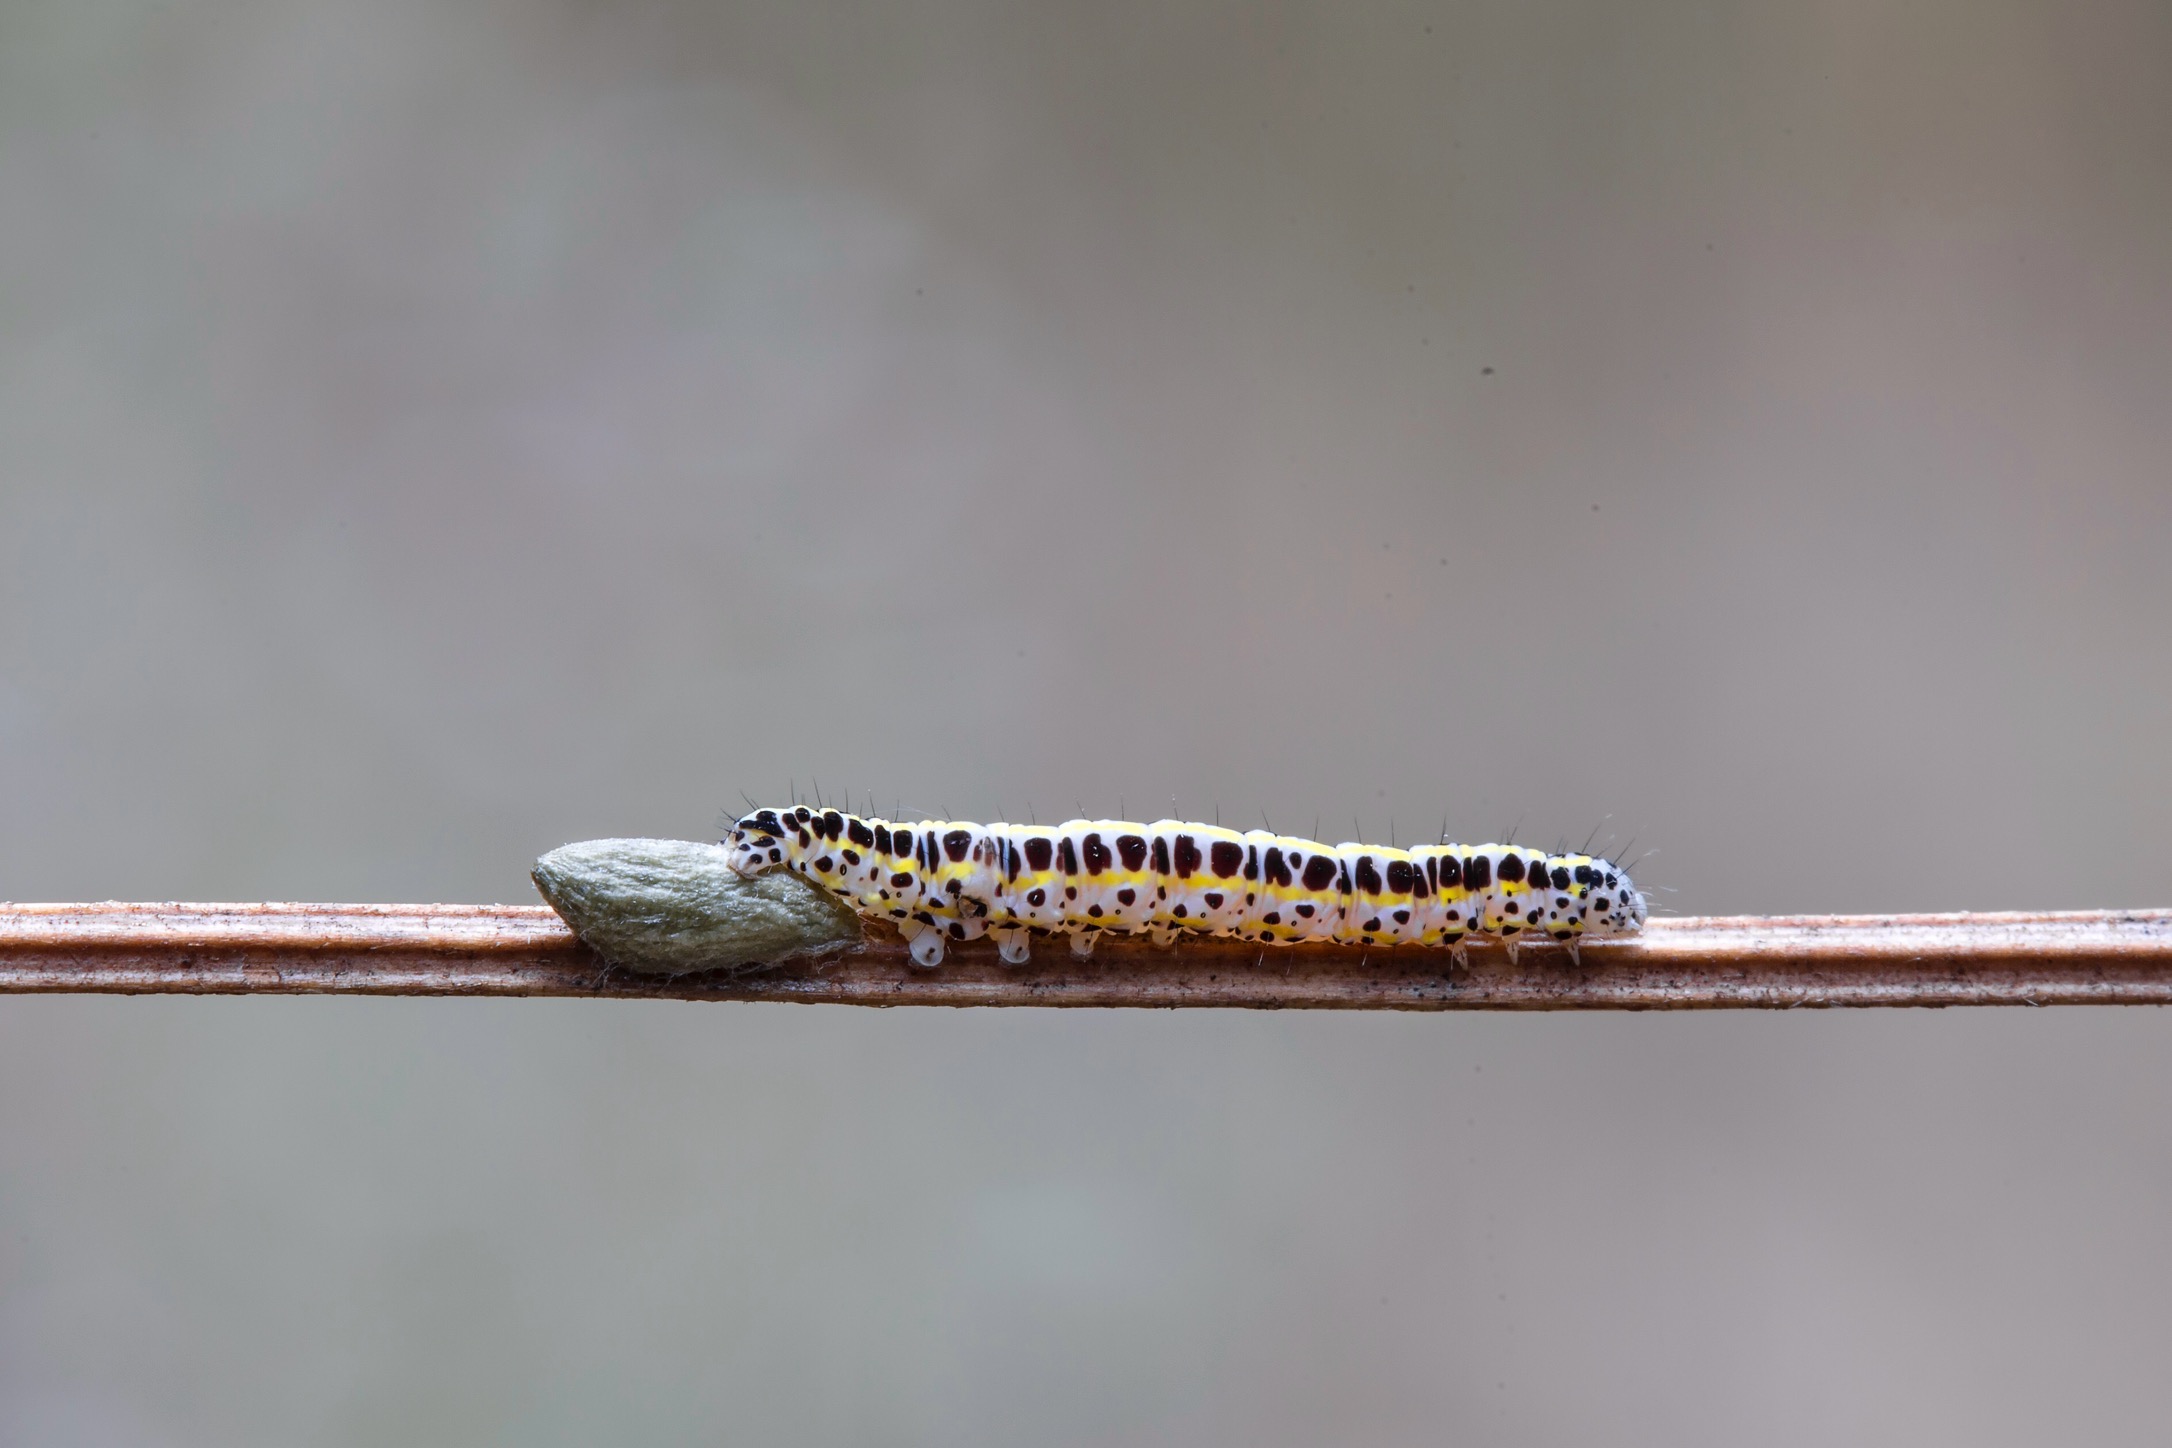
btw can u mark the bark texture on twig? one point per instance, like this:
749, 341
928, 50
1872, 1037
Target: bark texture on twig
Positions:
2090, 957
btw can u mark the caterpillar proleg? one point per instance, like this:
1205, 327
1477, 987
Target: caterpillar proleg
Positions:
944, 880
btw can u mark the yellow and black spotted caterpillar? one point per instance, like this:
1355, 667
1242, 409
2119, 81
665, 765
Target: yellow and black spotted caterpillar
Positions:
939, 880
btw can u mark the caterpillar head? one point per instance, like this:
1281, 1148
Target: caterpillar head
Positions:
764, 840
1615, 906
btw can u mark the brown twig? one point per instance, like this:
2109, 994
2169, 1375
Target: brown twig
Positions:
2087, 958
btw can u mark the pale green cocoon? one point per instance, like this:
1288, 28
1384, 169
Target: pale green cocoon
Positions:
673, 906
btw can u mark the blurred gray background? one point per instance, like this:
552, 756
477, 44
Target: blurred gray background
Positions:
431, 433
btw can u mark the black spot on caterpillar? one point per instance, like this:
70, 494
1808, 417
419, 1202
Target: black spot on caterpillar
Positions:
961, 880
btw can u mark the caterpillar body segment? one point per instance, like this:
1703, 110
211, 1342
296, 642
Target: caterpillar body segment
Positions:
942, 880
1213, 881
1445, 916
1386, 900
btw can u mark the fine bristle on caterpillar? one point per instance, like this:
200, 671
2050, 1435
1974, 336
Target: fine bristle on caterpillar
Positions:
944, 880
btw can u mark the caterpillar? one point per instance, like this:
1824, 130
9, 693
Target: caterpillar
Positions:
945, 880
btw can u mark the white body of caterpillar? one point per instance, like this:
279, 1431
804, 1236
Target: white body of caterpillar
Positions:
942, 880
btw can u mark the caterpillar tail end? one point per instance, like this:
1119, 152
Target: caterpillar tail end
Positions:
744, 857
755, 844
